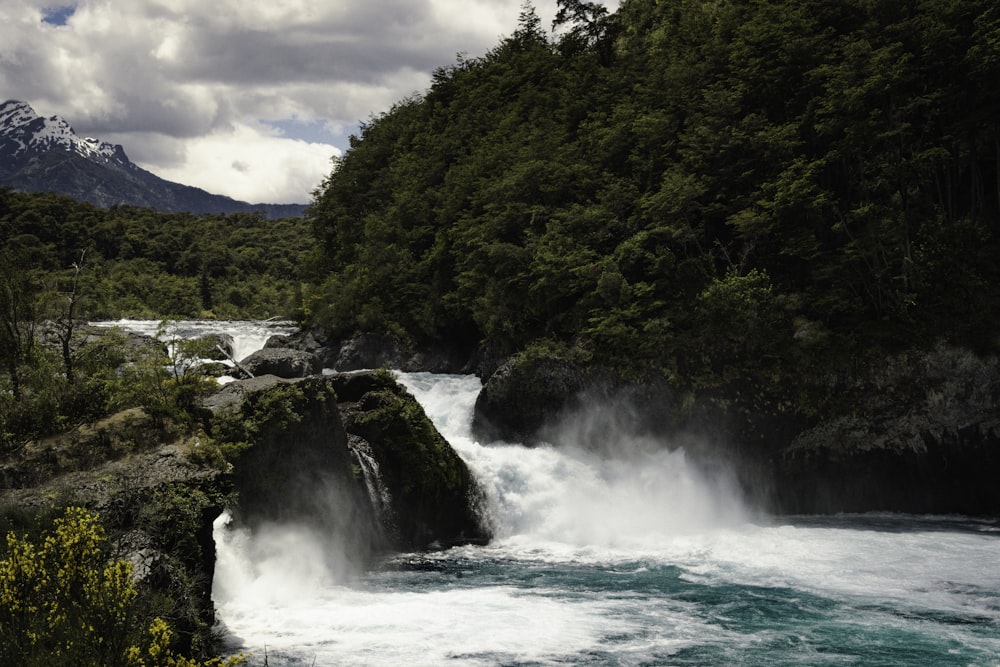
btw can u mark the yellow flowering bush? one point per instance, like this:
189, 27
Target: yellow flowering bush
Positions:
63, 602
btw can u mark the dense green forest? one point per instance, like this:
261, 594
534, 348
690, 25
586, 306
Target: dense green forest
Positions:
749, 199
139, 263
701, 189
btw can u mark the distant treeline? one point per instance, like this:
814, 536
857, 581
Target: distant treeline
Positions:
63, 261
136, 262
708, 189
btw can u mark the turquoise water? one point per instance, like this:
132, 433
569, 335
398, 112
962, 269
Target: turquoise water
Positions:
658, 612
631, 555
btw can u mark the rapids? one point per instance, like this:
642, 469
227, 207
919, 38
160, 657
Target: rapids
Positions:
626, 552
632, 555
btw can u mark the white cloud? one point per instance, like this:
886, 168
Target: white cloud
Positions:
184, 85
250, 163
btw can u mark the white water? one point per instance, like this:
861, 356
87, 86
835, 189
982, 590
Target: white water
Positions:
632, 493
640, 557
247, 336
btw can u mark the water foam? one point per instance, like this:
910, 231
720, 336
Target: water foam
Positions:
248, 336
632, 490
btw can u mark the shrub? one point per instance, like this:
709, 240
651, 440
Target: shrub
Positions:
64, 602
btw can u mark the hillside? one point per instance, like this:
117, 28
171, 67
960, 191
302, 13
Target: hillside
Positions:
140, 263
765, 209
683, 184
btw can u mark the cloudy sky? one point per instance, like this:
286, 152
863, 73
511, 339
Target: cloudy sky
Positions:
246, 99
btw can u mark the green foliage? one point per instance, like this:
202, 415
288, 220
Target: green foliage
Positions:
742, 324
19, 286
110, 376
266, 414
140, 263
838, 163
63, 601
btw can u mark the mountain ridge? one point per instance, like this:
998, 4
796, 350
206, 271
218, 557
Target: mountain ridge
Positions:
39, 154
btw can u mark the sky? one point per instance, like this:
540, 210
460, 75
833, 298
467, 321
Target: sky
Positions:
246, 99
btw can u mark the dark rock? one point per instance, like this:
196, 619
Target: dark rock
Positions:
234, 393
918, 433
524, 395
283, 362
350, 387
368, 351
433, 497
304, 464
484, 361
312, 341
299, 468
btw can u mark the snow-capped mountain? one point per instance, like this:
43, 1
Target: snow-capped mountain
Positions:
45, 155
22, 131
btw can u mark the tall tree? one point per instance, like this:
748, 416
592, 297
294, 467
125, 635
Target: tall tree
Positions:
18, 310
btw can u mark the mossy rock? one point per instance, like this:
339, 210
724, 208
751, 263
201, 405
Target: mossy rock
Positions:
525, 394
433, 494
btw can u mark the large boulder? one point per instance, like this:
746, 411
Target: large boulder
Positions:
313, 341
319, 447
282, 362
233, 394
432, 497
294, 465
370, 350
524, 395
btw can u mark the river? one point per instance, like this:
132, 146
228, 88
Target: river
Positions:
630, 556
635, 560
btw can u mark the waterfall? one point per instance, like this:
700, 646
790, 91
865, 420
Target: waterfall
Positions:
619, 489
247, 337
610, 549
378, 493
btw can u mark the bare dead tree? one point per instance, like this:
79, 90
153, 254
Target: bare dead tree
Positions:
66, 320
